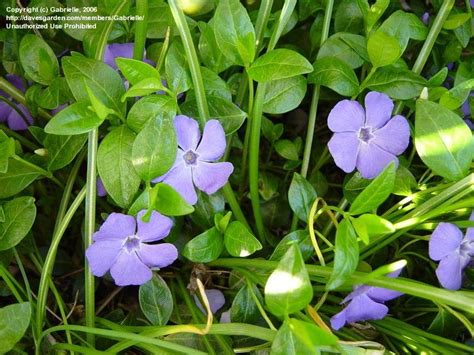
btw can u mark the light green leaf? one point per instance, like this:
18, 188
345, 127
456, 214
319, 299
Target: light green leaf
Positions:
166, 200
136, 70
399, 84
14, 321
206, 247
62, 149
77, 118
284, 95
18, 177
20, 214
38, 59
144, 87
336, 75
239, 241
301, 196
149, 107
383, 49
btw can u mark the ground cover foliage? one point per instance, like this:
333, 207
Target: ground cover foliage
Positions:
265, 177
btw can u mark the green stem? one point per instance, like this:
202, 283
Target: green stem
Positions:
193, 61
425, 51
264, 13
407, 286
234, 206
8, 281
140, 29
49, 262
46, 173
24, 141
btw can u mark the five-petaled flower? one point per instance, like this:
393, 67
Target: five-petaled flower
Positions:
368, 140
195, 163
453, 252
365, 303
14, 119
120, 245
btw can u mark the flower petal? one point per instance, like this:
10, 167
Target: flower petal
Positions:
128, 269
101, 255
216, 300
338, 320
187, 132
115, 50
5, 110
380, 294
212, 145
446, 238
116, 226
344, 148
470, 230
378, 109
16, 122
101, 191
16, 81
210, 177
346, 116
158, 255
394, 137
372, 160
181, 179
364, 308
156, 228
449, 271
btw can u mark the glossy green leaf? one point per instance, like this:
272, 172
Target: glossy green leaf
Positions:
336, 75
301, 196
176, 67
279, 64
150, 159
206, 247
239, 241
288, 289
75, 119
156, 301
221, 222
136, 70
211, 55
7, 150
235, 35
62, 149
20, 214
144, 87
38, 59
14, 321
114, 163
284, 95
383, 49
402, 26
301, 238
376, 192
456, 20
456, 96
346, 255
18, 176
98, 106
166, 200
149, 107
371, 225
348, 47
244, 308
443, 140
397, 83
375, 12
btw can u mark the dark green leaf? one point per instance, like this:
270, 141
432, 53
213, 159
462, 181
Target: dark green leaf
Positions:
301, 196
20, 214
397, 83
284, 95
149, 107
239, 241
348, 47
156, 301
206, 247
18, 176
75, 119
211, 55
176, 68
62, 149
287, 149
336, 75
244, 309
38, 59
14, 321
300, 237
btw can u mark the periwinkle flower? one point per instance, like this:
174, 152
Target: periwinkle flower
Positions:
101, 191
120, 50
453, 252
365, 303
425, 18
214, 297
367, 139
121, 246
195, 163
8, 114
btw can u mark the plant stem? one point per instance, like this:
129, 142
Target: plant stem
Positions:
140, 30
234, 206
23, 140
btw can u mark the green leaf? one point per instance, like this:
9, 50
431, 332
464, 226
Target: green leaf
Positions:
405, 182
284, 95
349, 17
210, 53
383, 49
235, 35
98, 106
62, 149
336, 75
104, 82
239, 241
206, 247
14, 321
149, 107
74, 119
18, 176
114, 163
456, 97
176, 68
399, 84
443, 140
299, 237
375, 12
348, 47
301, 196
166, 200
244, 309
370, 225
346, 255
159, 20
227, 113
149, 158
279, 64
298, 337
144, 87
156, 301
214, 85
20, 214
38, 59
288, 289
456, 20
376, 192
287, 149
402, 26
222, 222
136, 70
7, 150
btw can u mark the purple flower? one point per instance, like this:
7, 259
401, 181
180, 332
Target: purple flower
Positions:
101, 191
466, 106
425, 18
123, 50
214, 297
120, 245
196, 158
8, 114
365, 303
368, 140
453, 252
